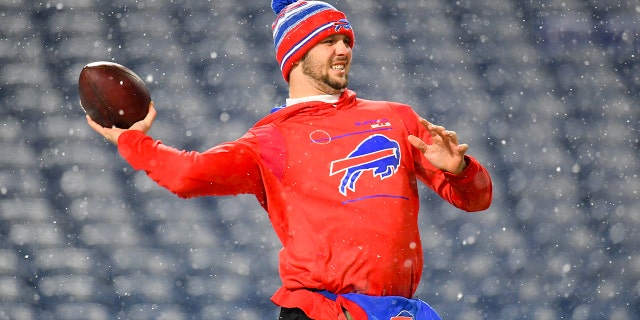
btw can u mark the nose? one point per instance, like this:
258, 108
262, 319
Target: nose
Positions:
342, 48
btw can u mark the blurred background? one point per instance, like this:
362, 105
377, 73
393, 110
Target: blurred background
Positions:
544, 91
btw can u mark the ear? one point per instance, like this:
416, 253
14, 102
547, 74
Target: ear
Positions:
296, 71
297, 64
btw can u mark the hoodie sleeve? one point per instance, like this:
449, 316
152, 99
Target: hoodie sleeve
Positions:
227, 169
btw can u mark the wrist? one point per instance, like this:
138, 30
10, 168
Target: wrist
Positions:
461, 166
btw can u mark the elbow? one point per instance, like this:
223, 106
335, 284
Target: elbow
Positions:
181, 190
484, 194
481, 206
475, 206
480, 203
176, 183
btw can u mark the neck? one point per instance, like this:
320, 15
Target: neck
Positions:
298, 90
301, 85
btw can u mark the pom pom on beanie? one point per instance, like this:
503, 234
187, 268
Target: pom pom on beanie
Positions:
278, 5
300, 25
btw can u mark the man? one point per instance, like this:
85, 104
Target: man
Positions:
336, 174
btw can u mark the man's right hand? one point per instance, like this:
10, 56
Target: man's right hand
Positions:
112, 134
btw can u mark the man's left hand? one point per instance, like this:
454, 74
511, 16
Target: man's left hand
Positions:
444, 152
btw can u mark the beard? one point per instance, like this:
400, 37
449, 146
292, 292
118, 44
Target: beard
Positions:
313, 69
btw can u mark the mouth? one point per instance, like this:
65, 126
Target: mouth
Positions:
338, 66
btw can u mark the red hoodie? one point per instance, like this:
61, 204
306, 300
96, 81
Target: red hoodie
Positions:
339, 184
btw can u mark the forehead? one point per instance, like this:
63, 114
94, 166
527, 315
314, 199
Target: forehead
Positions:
336, 37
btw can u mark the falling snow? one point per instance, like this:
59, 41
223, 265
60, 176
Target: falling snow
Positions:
544, 92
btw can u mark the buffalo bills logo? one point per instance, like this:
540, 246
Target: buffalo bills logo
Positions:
342, 23
376, 153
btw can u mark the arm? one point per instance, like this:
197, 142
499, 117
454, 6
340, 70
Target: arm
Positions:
223, 170
226, 169
469, 190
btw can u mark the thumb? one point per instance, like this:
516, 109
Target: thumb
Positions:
418, 143
145, 124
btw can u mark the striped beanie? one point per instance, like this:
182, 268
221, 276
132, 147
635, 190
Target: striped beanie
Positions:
300, 25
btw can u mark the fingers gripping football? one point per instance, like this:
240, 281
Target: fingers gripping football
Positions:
113, 133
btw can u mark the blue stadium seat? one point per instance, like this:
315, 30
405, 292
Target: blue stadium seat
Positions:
21, 155
545, 93
221, 311
11, 288
66, 260
204, 258
169, 209
78, 22
149, 261
36, 234
25, 210
97, 209
9, 262
138, 287
190, 233
208, 289
111, 235
82, 310
19, 46
74, 182
31, 73
18, 310
84, 154
147, 311
145, 187
57, 289
32, 100
83, 49
68, 128
15, 22
20, 181
11, 129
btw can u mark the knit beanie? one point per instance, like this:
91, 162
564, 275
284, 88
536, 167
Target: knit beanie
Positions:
300, 25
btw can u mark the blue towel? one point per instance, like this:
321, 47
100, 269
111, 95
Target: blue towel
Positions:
389, 307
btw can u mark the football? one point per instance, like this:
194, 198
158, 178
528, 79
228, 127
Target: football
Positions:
113, 95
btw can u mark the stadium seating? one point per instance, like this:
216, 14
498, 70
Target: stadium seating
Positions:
544, 92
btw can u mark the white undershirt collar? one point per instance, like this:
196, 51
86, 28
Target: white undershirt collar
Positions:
328, 98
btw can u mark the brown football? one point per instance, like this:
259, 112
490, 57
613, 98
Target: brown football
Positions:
112, 94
